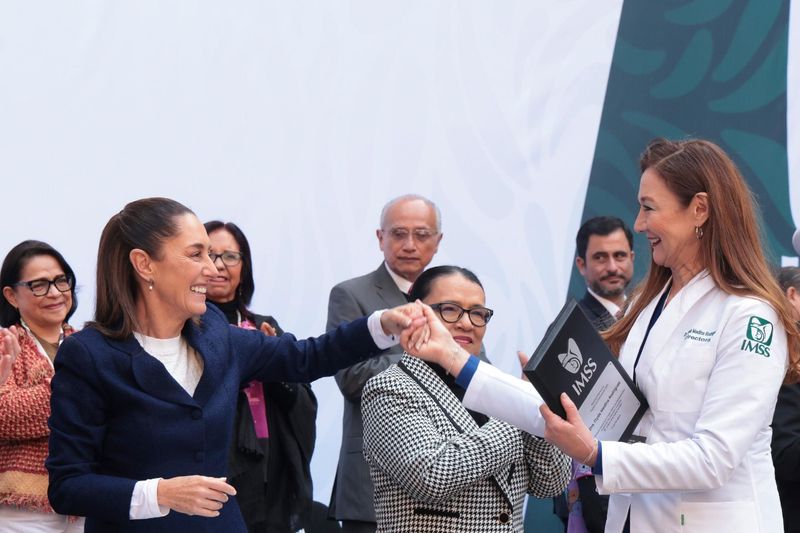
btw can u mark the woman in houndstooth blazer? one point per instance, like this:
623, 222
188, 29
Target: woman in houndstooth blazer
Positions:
435, 465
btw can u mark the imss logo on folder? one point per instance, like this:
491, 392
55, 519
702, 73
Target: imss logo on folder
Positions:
572, 361
573, 358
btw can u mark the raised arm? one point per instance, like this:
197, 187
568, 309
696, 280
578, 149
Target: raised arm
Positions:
285, 358
344, 307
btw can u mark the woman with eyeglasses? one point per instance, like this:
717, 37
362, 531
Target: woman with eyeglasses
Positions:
435, 465
37, 301
274, 431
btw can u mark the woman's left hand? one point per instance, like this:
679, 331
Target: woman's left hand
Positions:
570, 435
408, 317
268, 330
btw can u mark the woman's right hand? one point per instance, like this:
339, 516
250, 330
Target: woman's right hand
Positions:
9, 350
195, 495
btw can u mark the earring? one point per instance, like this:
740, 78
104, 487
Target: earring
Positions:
150, 285
698, 232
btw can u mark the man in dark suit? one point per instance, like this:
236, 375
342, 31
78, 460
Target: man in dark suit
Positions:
605, 260
786, 421
409, 236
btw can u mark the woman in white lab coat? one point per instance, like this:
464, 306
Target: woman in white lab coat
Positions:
710, 365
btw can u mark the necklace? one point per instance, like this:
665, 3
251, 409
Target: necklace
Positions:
50, 348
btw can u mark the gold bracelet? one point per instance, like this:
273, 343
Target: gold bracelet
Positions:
592, 451
452, 361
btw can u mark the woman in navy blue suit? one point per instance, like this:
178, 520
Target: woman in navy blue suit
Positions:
144, 397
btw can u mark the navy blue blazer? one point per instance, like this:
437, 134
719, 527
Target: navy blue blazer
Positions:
119, 417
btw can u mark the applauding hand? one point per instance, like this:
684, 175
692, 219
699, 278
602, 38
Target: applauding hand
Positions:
9, 350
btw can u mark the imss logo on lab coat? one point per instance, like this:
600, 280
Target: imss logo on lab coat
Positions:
758, 336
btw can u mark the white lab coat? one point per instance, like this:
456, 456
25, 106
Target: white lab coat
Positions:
706, 465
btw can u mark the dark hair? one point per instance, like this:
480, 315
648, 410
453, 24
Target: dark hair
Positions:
789, 277
144, 225
244, 293
10, 273
422, 286
695, 166
600, 226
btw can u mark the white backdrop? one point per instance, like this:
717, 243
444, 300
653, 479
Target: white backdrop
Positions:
298, 121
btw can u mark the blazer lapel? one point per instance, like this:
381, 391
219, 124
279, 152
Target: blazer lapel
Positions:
669, 321
387, 289
151, 376
458, 412
208, 339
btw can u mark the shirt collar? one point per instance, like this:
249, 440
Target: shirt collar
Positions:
402, 283
612, 308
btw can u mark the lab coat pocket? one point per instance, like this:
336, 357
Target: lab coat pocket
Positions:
730, 517
686, 373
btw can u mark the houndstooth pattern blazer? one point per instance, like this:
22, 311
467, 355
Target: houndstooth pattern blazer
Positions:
435, 470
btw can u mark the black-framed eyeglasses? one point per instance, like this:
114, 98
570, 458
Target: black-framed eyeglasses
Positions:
40, 287
228, 257
452, 313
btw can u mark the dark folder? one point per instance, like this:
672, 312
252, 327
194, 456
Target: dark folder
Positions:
573, 358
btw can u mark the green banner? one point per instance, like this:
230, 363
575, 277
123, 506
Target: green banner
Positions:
713, 69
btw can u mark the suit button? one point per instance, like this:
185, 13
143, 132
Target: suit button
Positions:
504, 518
199, 456
197, 414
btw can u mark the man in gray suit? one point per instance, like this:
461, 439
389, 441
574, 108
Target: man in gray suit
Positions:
408, 236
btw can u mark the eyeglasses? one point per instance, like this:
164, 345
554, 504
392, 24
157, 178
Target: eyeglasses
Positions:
229, 258
452, 313
402, 234
40, 287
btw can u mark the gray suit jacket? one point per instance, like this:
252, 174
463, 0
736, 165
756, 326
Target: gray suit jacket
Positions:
435, 470
352, 497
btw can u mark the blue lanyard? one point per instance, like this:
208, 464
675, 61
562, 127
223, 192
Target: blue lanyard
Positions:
656, 314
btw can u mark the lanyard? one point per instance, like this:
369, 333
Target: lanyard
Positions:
656, 314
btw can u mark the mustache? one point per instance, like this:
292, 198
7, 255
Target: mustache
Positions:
613, 276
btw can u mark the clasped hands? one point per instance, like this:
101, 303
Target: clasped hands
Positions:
423, 335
